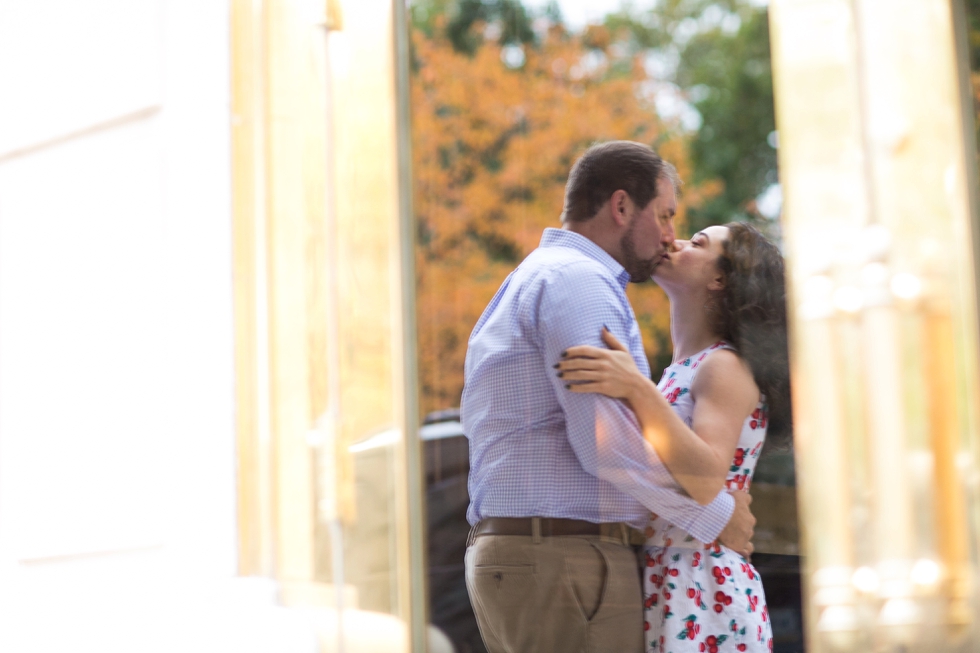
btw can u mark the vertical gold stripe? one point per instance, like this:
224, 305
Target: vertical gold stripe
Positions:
254, 524
820, 167
375, 278
324, 305
949, 499
416, 587
295, 178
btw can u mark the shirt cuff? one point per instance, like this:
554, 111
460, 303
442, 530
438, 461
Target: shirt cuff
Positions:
713, 519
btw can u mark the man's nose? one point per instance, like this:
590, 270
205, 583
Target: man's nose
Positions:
667, 236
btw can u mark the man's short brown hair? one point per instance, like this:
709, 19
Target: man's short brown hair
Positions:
611, 166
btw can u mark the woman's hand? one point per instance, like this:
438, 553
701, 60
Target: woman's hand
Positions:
611, 372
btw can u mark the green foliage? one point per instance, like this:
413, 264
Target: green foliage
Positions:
717, 53
464, 15
730, 78
973, 32
721, 52
425, 15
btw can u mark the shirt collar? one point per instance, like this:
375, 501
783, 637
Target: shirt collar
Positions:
564, 238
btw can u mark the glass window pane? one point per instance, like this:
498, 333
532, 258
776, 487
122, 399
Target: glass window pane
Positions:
505, 97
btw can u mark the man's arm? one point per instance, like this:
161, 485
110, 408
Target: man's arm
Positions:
603, 432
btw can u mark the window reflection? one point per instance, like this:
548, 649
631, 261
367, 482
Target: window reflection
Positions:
505, 96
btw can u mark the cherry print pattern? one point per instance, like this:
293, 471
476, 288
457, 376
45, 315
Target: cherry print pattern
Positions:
718, 595
675, 394
691, 627
738, 460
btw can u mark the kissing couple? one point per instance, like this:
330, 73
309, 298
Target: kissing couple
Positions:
610, 513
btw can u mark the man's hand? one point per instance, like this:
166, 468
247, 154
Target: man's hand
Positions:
737, 535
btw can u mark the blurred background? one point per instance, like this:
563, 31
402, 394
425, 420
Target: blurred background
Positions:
243, 244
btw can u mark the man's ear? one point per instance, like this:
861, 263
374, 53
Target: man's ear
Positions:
619, 207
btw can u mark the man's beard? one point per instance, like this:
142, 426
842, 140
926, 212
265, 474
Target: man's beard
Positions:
639, 269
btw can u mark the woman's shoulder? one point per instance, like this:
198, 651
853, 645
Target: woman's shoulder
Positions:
724, 360
723, 368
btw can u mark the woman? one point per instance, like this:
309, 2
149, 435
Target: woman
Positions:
728, 384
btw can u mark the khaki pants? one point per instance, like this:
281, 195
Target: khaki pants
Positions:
568, 593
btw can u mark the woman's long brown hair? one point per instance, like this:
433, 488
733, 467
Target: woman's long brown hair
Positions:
750, 314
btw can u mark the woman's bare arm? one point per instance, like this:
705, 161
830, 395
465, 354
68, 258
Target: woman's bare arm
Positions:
724, 394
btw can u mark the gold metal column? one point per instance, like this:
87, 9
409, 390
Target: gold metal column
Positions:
375, 289
873, 152
330, 500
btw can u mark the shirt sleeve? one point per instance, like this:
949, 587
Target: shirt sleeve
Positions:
604, 433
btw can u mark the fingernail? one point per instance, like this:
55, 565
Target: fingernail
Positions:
568, 386
564, 353
556, 365
605, 327
560, 374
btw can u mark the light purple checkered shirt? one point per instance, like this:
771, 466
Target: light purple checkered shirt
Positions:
539, 450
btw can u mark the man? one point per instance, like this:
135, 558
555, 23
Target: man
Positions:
559, 481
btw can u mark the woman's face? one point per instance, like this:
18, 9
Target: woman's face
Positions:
693, 264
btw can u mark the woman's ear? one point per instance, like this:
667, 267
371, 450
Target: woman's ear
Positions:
717, 283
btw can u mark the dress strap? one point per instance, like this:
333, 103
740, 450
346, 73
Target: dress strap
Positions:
698, 359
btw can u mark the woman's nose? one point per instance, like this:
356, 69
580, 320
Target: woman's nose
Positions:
676, 246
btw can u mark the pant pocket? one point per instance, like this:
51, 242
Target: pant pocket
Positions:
587, 575
499, 595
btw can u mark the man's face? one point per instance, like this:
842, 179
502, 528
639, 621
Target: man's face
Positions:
650, 233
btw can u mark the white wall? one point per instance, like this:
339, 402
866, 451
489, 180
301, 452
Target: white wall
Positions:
116, 415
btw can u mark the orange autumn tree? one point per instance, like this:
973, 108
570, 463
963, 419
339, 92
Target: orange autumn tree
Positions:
492, 147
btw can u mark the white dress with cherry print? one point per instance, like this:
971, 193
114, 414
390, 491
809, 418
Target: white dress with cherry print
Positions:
704, 597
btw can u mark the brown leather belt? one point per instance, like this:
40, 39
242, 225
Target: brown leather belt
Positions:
555, 527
